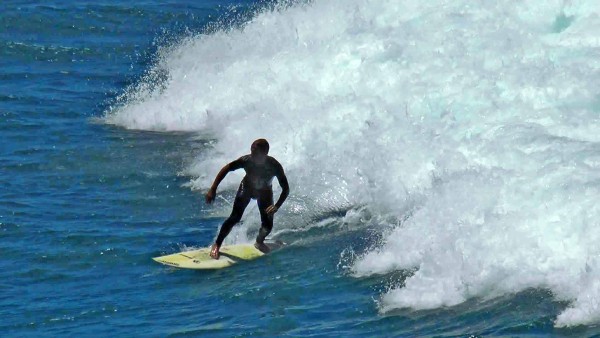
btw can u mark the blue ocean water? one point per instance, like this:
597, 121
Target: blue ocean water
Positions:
114, 115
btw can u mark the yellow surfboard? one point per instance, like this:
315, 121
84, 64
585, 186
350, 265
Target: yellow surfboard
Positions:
230, 254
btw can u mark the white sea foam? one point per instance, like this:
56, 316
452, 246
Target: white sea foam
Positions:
480, 120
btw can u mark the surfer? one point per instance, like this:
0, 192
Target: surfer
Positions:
260, 170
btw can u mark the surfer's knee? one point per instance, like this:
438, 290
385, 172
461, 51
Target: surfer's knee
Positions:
266, 220
234, 218
267, 223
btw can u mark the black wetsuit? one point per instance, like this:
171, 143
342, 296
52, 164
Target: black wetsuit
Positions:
255, 185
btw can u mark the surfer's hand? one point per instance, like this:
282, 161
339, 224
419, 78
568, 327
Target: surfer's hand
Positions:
210, 196
272, 210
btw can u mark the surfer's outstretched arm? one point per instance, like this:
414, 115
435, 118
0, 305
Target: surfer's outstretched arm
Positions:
212, 192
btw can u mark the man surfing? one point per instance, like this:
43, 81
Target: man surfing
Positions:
260, 170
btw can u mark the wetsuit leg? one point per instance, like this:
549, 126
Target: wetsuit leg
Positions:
242, 198
265, 200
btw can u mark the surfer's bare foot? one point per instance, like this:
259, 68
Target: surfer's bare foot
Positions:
262, 247
214, 251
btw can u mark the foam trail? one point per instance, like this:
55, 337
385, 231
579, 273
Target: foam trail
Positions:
478, 120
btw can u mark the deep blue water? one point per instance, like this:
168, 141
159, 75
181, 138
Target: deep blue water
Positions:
85, 205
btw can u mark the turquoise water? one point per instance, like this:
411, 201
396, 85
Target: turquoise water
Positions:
99, 175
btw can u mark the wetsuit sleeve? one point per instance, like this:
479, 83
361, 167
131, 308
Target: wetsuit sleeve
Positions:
238, 164
283, 182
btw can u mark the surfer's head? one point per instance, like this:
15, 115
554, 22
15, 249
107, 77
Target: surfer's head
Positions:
260, 147
259, 150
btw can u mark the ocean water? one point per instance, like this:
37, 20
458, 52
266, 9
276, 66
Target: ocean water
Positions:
443, 156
